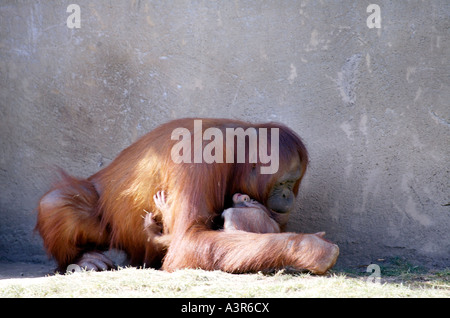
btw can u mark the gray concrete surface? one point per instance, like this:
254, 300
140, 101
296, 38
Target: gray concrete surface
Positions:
371, 104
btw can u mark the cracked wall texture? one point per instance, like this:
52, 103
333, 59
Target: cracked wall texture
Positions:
372, 105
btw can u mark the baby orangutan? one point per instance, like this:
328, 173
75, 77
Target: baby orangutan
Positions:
251, 216
245, 215
153, 229
248, 215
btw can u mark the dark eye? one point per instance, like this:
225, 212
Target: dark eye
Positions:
245, 199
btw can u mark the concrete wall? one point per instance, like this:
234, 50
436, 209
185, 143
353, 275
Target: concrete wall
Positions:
371, 104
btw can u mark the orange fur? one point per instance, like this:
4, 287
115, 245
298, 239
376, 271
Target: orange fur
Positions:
107, 209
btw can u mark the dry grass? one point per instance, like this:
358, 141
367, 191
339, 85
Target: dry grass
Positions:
133, 282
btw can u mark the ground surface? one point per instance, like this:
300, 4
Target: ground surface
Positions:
31, 280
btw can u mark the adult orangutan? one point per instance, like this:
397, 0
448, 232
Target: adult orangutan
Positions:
80, 218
